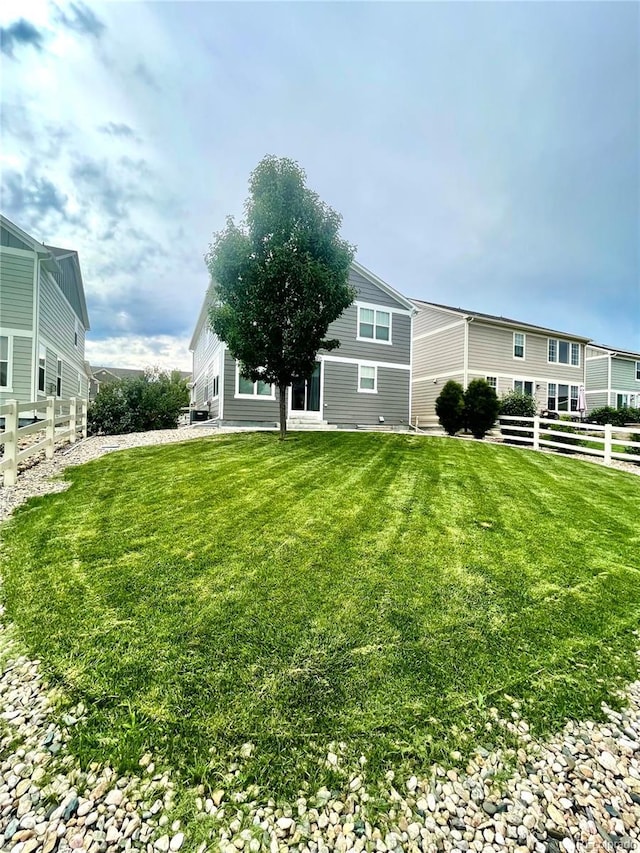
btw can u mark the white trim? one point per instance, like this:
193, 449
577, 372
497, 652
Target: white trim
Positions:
238, 396
438, 331
373, 390
465, 354
305, 413
571, 344
221, 368
597, 391
410, 365
18, 333
367, 361
453, 311
21, 253
522, 357
637, 372
609, 379
44, 390
377, 309
59, 375
595, 357
8, 389
36, 331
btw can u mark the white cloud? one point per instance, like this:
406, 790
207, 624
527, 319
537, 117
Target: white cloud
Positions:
165, 351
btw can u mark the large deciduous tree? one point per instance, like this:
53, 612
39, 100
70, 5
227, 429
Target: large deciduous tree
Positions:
280, 278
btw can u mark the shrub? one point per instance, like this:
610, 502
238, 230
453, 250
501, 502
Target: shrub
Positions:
634, 450
517, 403
152, 401
450, 407
481, 407
615, 417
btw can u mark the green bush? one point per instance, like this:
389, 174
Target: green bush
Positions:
635, 450
152, 401
615, 417
517, 403
450, 407
481, 407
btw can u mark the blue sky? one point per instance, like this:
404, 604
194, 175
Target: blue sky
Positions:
482, 155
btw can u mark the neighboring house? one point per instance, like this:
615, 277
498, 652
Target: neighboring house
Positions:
43, 319
450, 343
108, 375
613, 377
365, 381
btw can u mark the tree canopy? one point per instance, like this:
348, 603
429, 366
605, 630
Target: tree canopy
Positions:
280, 277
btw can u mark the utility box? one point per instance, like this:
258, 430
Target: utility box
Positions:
198, 415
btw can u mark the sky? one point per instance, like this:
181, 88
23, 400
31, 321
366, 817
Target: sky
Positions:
482, 155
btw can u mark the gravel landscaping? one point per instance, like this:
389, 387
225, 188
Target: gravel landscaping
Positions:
578, 791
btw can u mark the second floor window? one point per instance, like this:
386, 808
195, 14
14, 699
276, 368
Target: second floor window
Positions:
374, 325
518, 345
563, 352
638, 371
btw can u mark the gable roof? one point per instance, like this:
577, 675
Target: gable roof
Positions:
125, 373
69, 279
499, 321
386, 288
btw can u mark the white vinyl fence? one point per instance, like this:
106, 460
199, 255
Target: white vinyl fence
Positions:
59, 421
607, 441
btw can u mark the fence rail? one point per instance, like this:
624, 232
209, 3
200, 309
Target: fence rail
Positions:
607, 442
71, 413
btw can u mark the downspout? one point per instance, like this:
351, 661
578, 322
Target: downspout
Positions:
609, 379
465, 358
413, 314
221, 385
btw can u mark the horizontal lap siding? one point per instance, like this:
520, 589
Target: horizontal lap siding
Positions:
16, 293
442, 352
8, 239
623, 375
345, 329
597, 374
20, 380
491, 353
57, 324
424, 396
596, 400
369, 292
245, 409
344, 404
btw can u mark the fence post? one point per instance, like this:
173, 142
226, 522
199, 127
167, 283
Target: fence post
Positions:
72, 419
50, 432
85, 409
607, 443
11, 446
536, 432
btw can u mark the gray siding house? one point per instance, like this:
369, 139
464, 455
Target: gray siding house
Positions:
613, 377
366, 381
451, 343
43, 319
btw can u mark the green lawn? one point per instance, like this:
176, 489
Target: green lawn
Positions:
381, 590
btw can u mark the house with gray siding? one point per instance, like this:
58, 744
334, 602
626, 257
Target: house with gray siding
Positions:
452, 343
366, 381
43, 319
613, 377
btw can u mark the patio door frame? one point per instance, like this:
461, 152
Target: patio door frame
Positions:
305, 413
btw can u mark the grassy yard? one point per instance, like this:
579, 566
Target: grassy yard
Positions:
381, 590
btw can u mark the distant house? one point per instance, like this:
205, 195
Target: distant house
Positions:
43, 319
452, 343
108, 375
363, 382
613, 377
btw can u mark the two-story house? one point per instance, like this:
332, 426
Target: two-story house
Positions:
366, 381
613, 377
43, 319
451, 343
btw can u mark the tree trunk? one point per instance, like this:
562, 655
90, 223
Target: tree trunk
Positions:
282, 391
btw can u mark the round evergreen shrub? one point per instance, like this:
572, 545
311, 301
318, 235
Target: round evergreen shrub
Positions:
450, 407
481, 407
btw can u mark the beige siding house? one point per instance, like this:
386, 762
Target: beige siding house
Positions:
43, 319
451, 343
366, 381
613, 377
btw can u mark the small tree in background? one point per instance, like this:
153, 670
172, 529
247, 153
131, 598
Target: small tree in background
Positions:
517, 403
450, 407
148, 402
481, 407
281, 278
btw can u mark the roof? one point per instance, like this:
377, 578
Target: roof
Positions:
502, 321
69, 277
616, 351
128, 372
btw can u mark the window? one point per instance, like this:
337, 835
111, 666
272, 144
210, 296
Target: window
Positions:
518, 345
215, 382
42, 362
563, 352
246, 388
562, 398
622, 401
374, 325
367, 379
4, 361
524, 386
79, 384
637, 371
493, 382
59, 379
75, 335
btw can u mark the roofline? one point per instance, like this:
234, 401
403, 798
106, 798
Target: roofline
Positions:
501, 321
203, 311
634, 356
40, 248
390, 291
